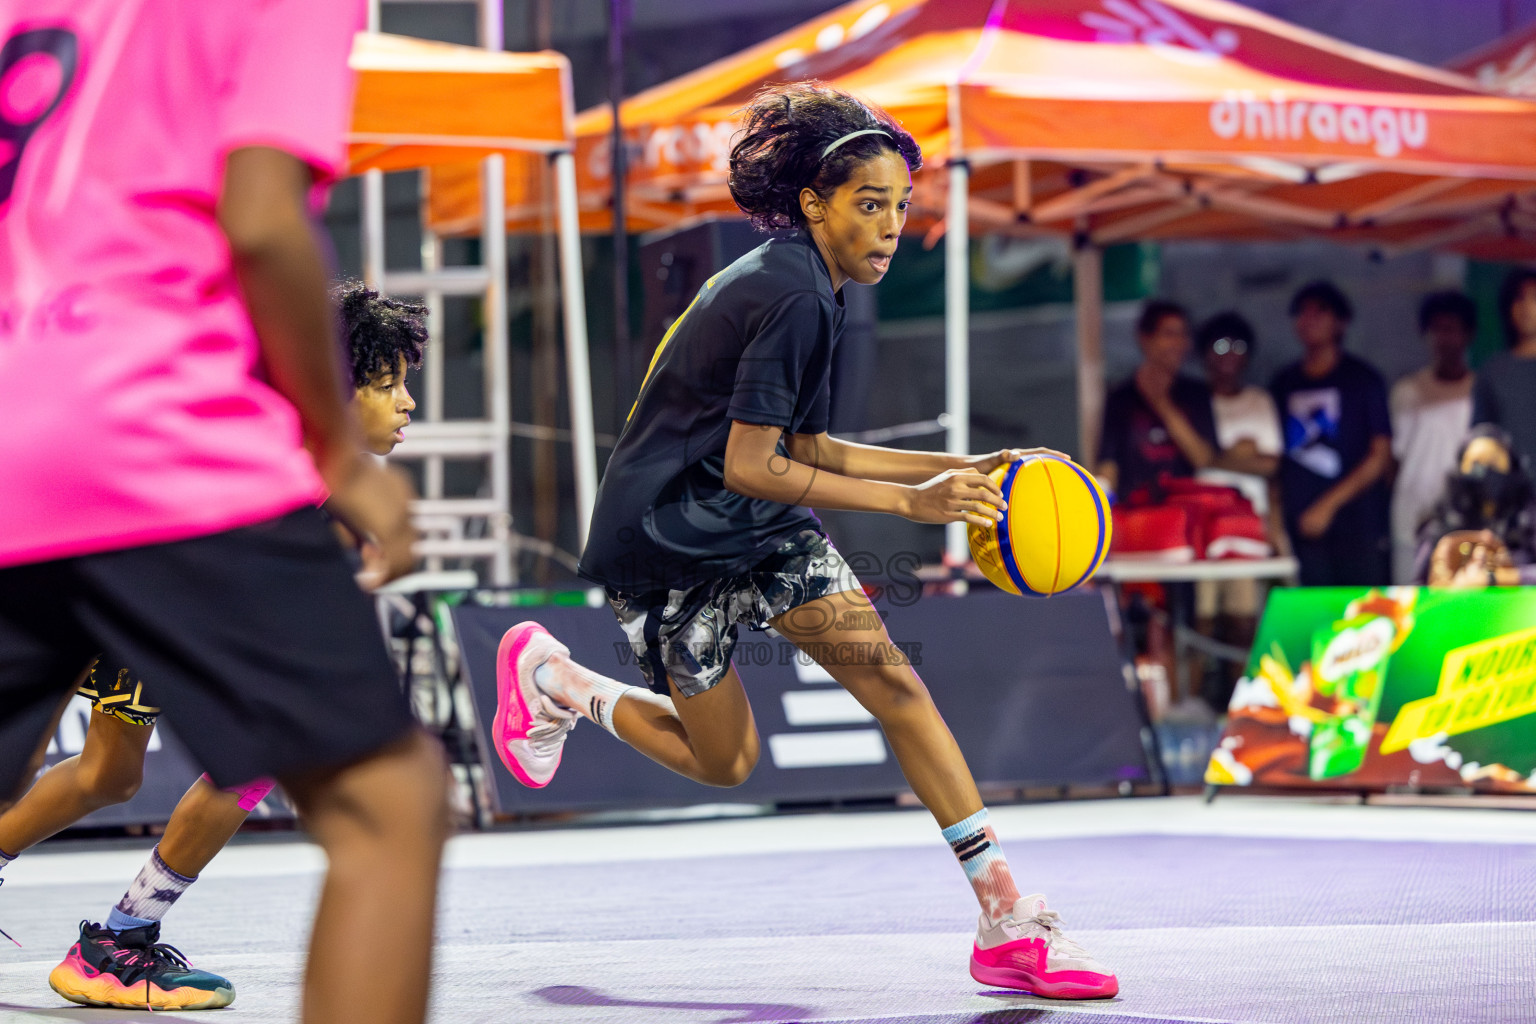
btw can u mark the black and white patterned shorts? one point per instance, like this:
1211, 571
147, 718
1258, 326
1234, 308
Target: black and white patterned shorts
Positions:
689, 634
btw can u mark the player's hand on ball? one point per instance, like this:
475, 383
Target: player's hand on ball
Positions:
990, 461
955, 495
375, 502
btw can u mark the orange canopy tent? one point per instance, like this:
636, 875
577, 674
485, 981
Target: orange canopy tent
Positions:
1215, 118
1112, 120
422, 104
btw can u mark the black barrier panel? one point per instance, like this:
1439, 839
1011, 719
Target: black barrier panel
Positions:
1033, 691
168, 771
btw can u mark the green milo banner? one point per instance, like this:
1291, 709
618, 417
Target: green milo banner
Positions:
1349, 688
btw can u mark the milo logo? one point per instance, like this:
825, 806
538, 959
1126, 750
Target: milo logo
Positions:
1357, 649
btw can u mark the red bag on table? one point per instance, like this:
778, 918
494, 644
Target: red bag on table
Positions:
1193, 520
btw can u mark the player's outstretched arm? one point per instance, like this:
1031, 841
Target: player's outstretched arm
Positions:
895, 465
263, 212
754, 467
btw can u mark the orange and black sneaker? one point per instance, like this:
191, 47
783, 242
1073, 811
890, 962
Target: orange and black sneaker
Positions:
134, 970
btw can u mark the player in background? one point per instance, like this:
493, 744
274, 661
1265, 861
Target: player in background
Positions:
703, 520
167, 349
384, 339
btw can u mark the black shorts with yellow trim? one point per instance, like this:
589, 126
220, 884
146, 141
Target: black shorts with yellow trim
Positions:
118, 692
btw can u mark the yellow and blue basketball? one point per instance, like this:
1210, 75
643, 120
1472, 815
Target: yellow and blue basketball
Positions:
1054, 534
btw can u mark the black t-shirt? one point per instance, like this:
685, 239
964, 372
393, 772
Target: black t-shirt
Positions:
1136, 440
1505, 394
1329, 423
755, 345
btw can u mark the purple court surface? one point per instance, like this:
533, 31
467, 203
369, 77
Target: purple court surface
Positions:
1269, 911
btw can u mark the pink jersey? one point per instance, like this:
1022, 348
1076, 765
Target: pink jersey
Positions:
133, 407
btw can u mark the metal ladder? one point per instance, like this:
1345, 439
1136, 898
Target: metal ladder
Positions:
446, 522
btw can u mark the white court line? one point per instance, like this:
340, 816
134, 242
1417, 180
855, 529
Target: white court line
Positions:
470, 952
1023, 1002
1230, 816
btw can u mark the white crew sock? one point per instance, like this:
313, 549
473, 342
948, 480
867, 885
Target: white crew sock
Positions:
588, 693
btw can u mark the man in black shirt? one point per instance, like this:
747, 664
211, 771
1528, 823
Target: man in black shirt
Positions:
1506, 384
1159, 422
1338, 449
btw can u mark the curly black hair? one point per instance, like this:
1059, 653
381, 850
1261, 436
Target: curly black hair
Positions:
378, 330
778, 152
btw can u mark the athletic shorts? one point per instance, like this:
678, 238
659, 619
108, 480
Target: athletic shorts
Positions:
689, 634
266, 657
117, 691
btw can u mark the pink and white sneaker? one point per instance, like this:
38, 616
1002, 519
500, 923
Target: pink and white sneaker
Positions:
529, 729
1028, 951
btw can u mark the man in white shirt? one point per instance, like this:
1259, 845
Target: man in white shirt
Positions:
1248, 433
1247, 425
1431, 410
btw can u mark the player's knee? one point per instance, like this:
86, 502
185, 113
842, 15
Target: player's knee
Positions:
894, 691
399, 794
108, 783
432, 798
416, 799
730, 775
735, 770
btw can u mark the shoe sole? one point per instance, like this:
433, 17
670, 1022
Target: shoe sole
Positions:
1020, 982
100, 992
513, 716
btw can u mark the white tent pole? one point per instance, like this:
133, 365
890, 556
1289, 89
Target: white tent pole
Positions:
577, 367
373, 229
498, 382
957, 339
1088, 309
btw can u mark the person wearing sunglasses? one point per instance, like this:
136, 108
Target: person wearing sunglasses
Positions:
1247, 425
1248, 432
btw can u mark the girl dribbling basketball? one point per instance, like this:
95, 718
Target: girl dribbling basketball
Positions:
703, 520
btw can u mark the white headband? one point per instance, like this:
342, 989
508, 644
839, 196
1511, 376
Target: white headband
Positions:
853, 135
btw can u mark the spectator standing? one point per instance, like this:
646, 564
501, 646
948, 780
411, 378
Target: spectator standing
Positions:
1338, 448
1248, 434
1159, 422
1247, 425
1431, 410
1506, 383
